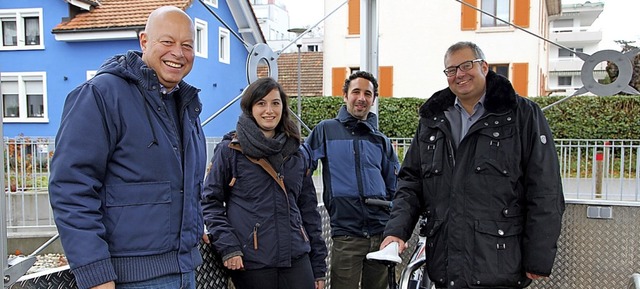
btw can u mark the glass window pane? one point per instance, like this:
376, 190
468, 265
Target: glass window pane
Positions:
9, 33
501, 69
565, 53
199, 40
35, 105
564, 80
10, 102
503, 12
488, 6
32, 31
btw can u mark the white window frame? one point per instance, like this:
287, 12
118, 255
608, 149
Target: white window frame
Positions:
18, 16
224, 45
201, 45
213, 3
22, 78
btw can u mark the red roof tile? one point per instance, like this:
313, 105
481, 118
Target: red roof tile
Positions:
114, 14
310, 73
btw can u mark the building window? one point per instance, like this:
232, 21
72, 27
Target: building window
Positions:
23, 97
501, 69
563, 25
312, 48
201, 43
213, 3
564, 80
498, 8
566, 53
224, 46
21, 29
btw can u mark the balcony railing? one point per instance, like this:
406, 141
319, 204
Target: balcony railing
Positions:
590, 169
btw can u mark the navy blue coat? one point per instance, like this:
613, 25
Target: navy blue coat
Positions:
358, 163
254, 217
124, 197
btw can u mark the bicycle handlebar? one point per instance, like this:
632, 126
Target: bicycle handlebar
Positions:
381, 203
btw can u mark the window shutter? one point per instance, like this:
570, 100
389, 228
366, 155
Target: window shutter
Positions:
521, 13
469, 16
338, 75
521, 78
385, 83
354, 17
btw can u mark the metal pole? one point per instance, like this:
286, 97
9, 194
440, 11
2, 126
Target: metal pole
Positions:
3, 209
299, 93
369, 41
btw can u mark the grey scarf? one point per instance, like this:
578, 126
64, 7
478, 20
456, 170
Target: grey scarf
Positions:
256, 145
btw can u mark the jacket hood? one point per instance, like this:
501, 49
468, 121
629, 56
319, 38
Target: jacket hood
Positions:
349, 121
128, 66
499, 97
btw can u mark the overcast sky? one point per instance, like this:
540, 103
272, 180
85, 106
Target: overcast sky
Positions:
307, 12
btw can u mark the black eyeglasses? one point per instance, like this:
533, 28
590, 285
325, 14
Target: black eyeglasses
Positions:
465, 66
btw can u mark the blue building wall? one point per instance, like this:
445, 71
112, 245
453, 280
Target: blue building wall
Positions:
66, 65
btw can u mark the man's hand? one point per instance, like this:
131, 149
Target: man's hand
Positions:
109, 285
320, 284
534, 276
390, 239
205, 238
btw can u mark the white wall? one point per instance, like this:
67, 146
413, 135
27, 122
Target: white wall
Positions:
414, 36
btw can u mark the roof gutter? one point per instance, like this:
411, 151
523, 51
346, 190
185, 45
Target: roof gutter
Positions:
100, 34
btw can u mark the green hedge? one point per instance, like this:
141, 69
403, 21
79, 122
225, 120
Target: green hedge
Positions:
580, 117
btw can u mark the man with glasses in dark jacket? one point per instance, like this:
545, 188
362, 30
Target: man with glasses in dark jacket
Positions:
483, 169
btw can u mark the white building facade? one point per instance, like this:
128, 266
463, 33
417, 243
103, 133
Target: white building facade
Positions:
573, 29
274, 22
414, 35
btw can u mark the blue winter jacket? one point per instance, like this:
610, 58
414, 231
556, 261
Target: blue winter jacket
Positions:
249, 214
125, 190
358, 163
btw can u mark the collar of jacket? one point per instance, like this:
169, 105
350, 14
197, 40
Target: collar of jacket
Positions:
500, 97
348, 120
131, 67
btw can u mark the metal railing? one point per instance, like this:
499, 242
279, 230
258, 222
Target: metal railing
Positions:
600, 169
591, 170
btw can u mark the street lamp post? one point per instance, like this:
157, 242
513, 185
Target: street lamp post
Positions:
298, 31
299, 88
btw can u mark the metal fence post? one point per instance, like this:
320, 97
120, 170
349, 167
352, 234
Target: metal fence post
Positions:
599, 172
3, 209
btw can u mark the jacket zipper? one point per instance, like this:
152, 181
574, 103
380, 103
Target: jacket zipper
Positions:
304, 234
255, 236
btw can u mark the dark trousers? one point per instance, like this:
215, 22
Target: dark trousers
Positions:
350, 268
298, 276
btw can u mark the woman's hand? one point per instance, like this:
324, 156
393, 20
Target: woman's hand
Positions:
234, 263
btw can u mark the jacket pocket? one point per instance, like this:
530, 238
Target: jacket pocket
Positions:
256, 234
496, 143
432, 151
496, 250
435, 252
137, 218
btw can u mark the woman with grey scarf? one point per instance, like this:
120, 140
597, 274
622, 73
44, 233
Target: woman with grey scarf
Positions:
259, 201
